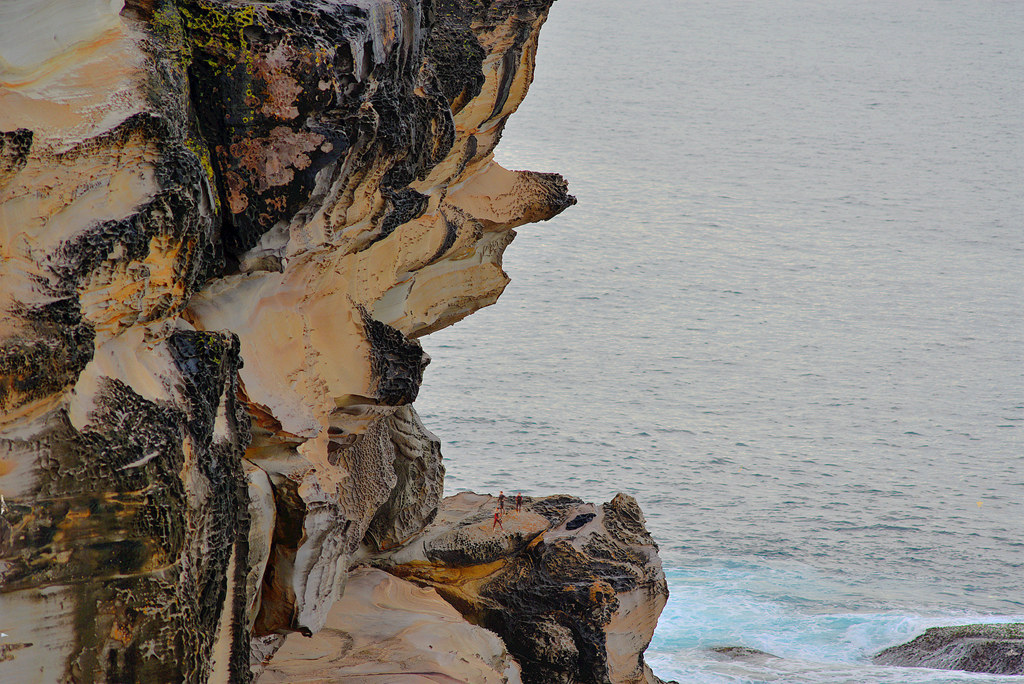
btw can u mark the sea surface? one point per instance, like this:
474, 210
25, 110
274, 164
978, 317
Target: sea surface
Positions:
787, 315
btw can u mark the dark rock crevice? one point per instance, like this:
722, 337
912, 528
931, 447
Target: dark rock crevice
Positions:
14, 148
280, 96
398, 362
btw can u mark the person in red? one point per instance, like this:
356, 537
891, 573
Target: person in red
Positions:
497, 520
519, 501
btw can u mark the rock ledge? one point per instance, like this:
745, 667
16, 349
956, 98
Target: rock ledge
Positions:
996, 649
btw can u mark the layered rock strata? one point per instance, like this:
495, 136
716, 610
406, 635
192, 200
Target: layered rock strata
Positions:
386, 629
223, 226
574, 589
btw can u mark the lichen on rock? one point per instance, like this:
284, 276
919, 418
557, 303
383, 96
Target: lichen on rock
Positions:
223, 226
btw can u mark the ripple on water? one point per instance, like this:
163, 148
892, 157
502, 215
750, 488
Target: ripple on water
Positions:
806, 339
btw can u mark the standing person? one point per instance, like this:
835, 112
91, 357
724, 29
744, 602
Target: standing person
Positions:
497, 520
501, 501
519, 501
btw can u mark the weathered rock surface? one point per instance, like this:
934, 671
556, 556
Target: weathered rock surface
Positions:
223, 225
996, 649
575, 590
126, 523
385, 629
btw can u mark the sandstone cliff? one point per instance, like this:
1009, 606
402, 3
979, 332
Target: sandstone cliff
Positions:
223, 225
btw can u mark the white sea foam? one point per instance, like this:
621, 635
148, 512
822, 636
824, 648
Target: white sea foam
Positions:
788, 612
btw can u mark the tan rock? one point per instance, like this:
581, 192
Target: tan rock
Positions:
575, 590
385, 629
222, 226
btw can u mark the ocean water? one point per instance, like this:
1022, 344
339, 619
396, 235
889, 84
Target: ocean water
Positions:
787, 315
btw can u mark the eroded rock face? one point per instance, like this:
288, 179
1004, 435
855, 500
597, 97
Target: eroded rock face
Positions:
223, 226
419, 475
996, 649
387, 629
574, 589
125, 524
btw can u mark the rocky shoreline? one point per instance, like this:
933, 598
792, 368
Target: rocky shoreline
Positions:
573, 589
534, 600
224, 224
995, 649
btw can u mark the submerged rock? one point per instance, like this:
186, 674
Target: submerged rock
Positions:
996, 649
741, 653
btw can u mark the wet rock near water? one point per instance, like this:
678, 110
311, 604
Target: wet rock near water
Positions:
740, 653
996, 649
